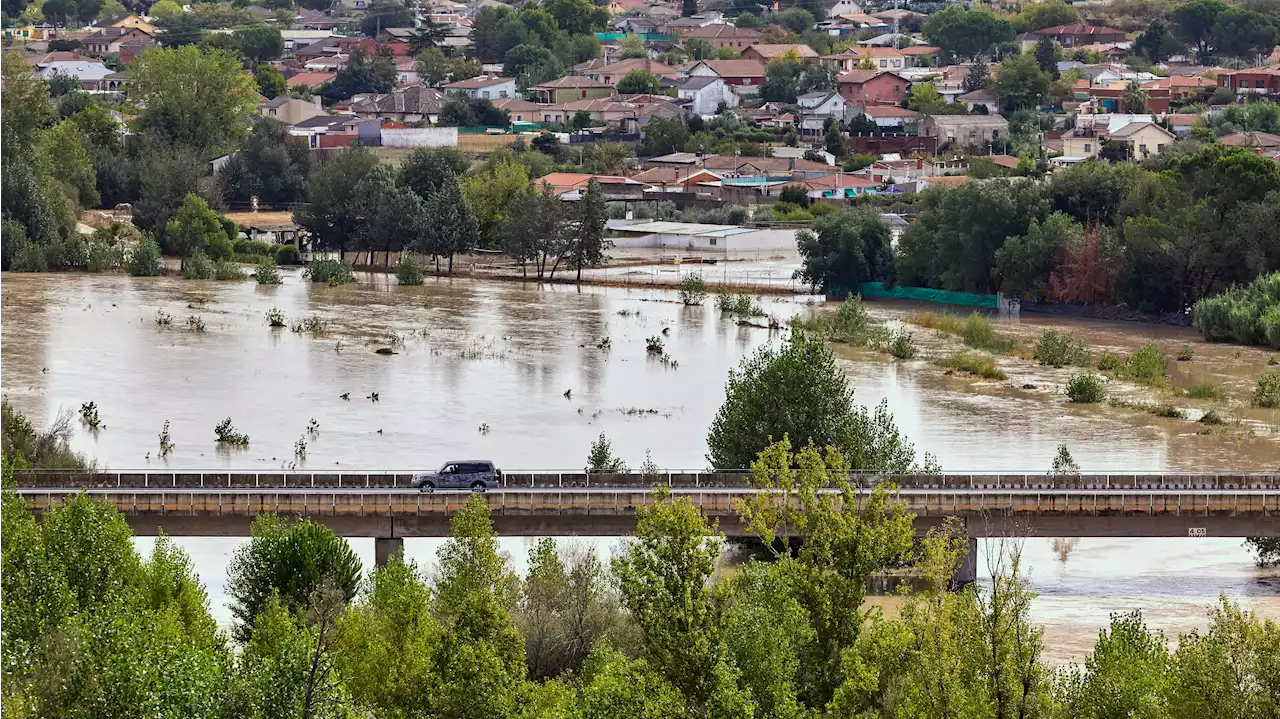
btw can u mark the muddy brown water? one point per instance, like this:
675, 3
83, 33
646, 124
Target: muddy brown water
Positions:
481, 369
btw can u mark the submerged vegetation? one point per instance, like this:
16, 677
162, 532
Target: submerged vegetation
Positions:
974, 363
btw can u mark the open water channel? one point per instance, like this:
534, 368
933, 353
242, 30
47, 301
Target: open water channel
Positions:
518, 374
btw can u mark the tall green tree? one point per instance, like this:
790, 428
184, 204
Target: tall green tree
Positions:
480, 657
589, 244
199, 99
1243, 33
330, 215
798, 392
259, 43
966, 33
1047, 56
271, 165
196, 228
382, 14
1020, 83
302, 566
1192, 23
452, 228
845, 249
427, 169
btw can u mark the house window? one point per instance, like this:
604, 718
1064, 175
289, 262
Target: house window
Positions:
502, 94
1261, 84
1142, 149
583, 94
884, 63
713, 242
1088, 147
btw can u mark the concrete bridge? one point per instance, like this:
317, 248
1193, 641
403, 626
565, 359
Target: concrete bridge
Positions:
383, 506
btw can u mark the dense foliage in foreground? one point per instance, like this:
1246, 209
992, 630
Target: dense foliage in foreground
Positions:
1248, 314
93, 629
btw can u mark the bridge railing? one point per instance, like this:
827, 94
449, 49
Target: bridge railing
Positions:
545, 479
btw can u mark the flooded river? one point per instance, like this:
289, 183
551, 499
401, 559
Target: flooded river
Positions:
521, 375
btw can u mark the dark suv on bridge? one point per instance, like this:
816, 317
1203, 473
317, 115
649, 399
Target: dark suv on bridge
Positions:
476, 475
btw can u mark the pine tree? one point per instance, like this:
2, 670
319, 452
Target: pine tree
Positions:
690, 8
451, 227
978, 76
1047, 56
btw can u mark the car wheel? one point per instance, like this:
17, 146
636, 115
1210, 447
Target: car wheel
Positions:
478, 486
427, 487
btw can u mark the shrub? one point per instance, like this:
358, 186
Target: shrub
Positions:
1185, 353
197, 267
901, 346
653, 345
105, 255
1267, 391
408, 270
1060, 350
980, 333
275, 318
1147, 366
226, 271
287, 255
941, 321
333, 272
144, 261
267, 273
29, 257
245, 247
312, 324
1166, 410
1211, 417
851, 322
976, 364
68, 253
693, 289
602, 459
227, 434
1086, 388
725, 301
1248, 314
1109, 361
1204, 390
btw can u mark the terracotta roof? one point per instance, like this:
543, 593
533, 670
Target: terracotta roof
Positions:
889, 111
476, 83
920, 50
1187, 118
948, 180
774, 51
1251, 139
1078, 29
722, 31
517, 104
858, 77
571, 81
1008, 162
311, 79
768, 164
736, 68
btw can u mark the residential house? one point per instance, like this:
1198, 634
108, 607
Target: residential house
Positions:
921, 55
891, 118
981, 98
609, 109
407, 71
133, 49
291, 110
739, 74
769, 53
818, 107
798, 153
1143, 139
964, 130
1261, 140
613, 73
521, 110
110, 84
405, 104
41, 31
125, 21
724, 35
1252, 81
677, 179
902, 17
862, 88
735, 166
863, 21
570, 88
1182, 86
621, 7
109, 40
1078, 34
683, 161
1181, 123
485, 88
707, 95
308, 19
328, 63
884, 58
324, 47
572, 185
324, 131
836, 8
310, 80
72, 65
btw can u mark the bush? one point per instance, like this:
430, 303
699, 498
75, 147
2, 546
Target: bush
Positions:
1211, 417
333, 272
68, 253
29, 257
976, 364
693, 289
144, 261
1086, 388
226, 270
267, 273
1109, 361
197, 267
980, 333
1147, 366
1060, 350
226, 434
245, 247
286, 255
408, 270
1248, 314
105, 255
1185, 353
1204, 390
653, 345
275, 318
901, 345
851, 322
1267, 391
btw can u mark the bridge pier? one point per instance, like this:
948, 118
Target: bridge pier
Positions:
967, 572
384, 548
